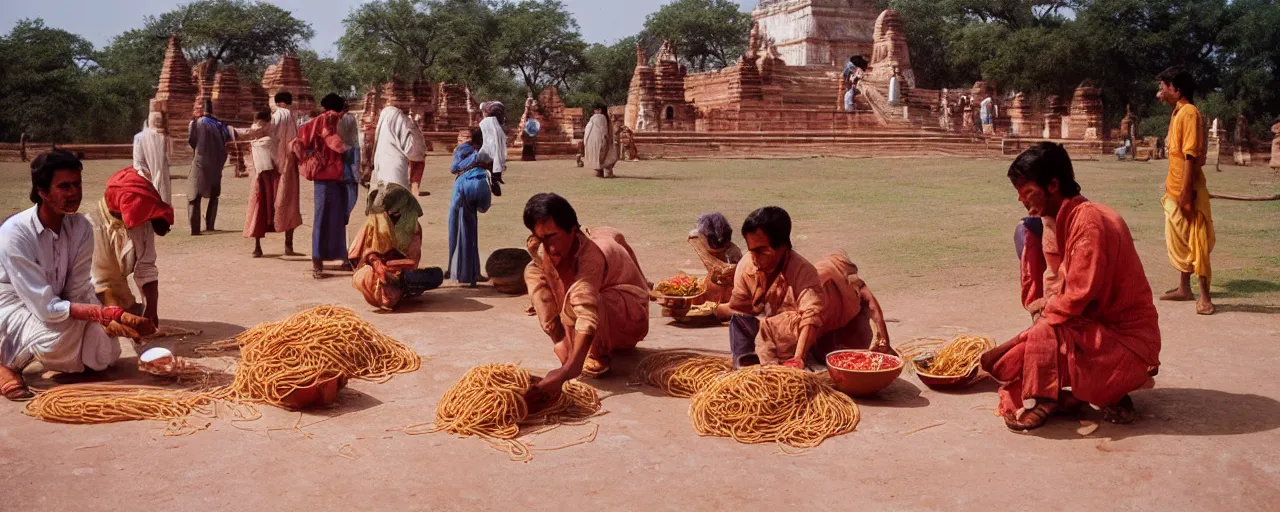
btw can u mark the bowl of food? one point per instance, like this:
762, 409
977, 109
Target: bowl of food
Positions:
862, 372
322, 392
679, 293
955, 365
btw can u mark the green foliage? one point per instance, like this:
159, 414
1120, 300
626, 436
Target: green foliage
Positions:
233, 32
41, 74
327, 75
608, 76
539, 42
443, 40
707, 34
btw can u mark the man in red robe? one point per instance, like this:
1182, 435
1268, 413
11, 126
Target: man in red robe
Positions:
1098, 338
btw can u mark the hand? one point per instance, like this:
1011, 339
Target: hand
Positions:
794, 363
537, 400
1187, 204
142, 325
881, 345
119, 330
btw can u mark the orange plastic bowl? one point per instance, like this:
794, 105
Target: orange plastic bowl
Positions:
857, 383
323, 392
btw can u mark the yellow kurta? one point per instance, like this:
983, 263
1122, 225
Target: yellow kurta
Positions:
1189, 238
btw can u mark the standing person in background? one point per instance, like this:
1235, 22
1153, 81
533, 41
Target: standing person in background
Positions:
598, 147
319, 149
260, 214
471, 196
209, 138
495, 140
288, 211
349, 129
151, 155
1188, 228
416, 173
852, 78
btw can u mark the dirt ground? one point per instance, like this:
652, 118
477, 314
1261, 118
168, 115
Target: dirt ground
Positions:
932, 239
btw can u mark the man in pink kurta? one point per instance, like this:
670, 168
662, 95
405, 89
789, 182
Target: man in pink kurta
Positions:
288, 212
1098, 338
589, 293
787, 309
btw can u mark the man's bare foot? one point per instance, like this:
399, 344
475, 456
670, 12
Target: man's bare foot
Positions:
1178, 295
1204, 306
288, 251
257, 253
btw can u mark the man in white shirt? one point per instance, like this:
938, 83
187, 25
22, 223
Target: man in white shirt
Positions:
48, 309
151, 155
399, 149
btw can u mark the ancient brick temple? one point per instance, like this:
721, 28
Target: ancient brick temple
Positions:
182, 90
443, 111
817, 32
557, 135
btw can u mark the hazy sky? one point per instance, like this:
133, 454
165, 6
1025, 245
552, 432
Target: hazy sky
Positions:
602, 21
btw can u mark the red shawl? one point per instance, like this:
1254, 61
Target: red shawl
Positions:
319, 148
136, 199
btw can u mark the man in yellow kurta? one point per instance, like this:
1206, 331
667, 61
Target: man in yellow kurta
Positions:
1188, 221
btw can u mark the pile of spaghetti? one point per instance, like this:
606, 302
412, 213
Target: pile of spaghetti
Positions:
681, 373
310, 347
958, 357
488, 402
761, 404
682, 285
278, 358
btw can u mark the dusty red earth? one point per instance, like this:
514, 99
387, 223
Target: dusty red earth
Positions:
1207, 438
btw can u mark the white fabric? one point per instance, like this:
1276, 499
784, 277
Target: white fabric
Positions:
151, 159
399, 141
986, 108
495, 143
41, 273
119, 252
263, 147
349, 129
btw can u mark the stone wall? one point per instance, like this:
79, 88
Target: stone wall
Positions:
175, 94
817, 32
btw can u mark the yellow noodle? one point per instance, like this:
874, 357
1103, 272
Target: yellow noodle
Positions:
762, 404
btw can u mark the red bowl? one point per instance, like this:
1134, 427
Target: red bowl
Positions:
944, 383
323, 392
857, 383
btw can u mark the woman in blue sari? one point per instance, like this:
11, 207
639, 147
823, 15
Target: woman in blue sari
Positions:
471, 195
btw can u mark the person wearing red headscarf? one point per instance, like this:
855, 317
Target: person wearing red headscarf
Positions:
125, 224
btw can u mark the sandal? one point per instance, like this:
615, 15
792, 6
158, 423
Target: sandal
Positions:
14, 389
1122, 413
1032, 418
595, 367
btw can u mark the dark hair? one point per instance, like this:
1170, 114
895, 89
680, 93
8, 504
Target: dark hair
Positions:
716, 228
477, 136
208, 107
45, 165
550, 206
773, 221
1045, 162
263, 115
333, 102
1181, 80
602, 107
284, 98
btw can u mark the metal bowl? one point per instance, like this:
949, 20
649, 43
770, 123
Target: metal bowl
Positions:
857, 383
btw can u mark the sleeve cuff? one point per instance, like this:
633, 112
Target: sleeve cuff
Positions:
59, 311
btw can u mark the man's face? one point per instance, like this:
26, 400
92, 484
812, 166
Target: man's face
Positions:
64, 192
767, 258
1038, 201
1167, 93
555, 241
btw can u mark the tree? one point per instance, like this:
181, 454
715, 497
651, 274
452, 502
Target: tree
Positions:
539, 42
41, 72
1249, 57
328, 74
234, 32
707, 34
419, 39
608, 76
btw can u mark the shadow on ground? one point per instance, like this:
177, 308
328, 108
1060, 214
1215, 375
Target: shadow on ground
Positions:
1185, 412
1244, 288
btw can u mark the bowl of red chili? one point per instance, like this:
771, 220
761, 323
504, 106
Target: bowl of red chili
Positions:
862, 372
